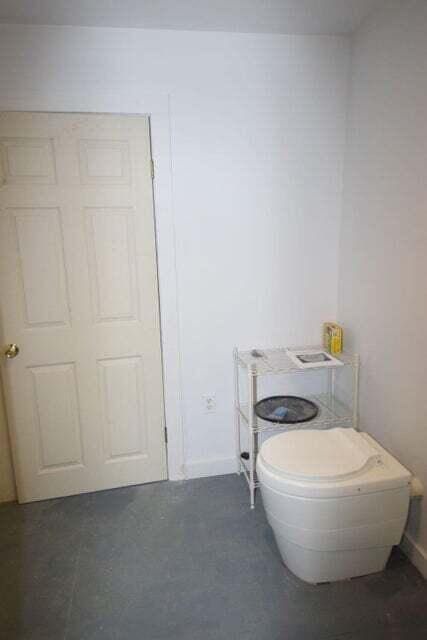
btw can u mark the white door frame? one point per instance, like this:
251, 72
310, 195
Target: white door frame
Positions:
158, 108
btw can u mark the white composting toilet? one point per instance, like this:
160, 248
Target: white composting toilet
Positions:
336, 501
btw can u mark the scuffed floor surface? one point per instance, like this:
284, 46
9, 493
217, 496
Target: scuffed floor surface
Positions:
181, 561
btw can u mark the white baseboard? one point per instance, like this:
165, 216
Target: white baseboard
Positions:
416, 554
210, 467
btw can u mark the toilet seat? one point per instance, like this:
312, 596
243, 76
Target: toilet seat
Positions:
328, 463
314, 456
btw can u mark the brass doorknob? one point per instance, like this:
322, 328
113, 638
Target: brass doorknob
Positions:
12, 350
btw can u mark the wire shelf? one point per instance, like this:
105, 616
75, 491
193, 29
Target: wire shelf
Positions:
277, 361
333, 412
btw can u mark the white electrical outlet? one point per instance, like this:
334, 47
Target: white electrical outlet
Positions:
209, 402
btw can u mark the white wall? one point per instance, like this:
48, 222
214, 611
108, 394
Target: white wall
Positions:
257, 135
383, 291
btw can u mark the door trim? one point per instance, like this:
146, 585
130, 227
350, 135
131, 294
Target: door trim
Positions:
158, 110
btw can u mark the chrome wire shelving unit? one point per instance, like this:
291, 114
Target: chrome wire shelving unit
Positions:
335, 408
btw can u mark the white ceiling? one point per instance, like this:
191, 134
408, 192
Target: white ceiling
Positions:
256, 16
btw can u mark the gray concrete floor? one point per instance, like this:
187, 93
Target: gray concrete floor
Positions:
179, 561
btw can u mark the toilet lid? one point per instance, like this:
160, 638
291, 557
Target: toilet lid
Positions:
314, 455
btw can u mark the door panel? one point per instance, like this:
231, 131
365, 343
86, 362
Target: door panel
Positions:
122, 390
104, 162
41, 258
112, 263
56, 404
78, 277
28, 160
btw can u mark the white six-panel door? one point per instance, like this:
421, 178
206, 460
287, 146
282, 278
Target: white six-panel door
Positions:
78, 287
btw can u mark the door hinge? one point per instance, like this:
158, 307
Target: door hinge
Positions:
166, 435
152, 169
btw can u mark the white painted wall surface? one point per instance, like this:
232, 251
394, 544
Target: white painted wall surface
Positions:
257, 134
382, 293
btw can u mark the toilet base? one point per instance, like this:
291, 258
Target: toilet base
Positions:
330, 566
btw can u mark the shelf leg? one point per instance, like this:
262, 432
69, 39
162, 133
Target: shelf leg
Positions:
332, 405
253, 437
252, 491
236, 408
356, 394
